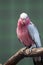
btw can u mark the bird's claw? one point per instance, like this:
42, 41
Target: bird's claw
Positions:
25, 48
30, 49
33, 46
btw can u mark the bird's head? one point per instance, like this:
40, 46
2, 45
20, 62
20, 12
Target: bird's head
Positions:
23, 19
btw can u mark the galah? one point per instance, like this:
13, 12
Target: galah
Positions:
28, 34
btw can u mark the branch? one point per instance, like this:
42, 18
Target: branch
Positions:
24, 53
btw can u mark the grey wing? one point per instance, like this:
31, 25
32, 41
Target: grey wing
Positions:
34, 34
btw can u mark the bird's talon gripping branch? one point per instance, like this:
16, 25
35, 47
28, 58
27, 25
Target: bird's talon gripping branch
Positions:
25, 49
30, 49
33, 46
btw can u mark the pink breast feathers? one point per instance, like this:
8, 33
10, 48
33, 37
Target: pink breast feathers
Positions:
24, 36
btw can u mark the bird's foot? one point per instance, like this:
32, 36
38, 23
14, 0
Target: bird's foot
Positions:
25, 48
33, 46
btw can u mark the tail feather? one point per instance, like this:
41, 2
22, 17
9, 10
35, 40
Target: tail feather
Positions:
38, 62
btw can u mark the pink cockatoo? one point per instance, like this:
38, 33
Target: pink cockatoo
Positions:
28, 34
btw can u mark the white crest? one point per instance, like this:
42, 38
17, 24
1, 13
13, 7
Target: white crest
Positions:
23, 15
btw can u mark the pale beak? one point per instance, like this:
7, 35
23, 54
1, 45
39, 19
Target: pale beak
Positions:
24, 20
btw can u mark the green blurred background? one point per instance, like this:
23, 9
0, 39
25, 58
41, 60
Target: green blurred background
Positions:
9, 14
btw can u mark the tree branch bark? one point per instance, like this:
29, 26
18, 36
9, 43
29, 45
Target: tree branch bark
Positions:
22, 53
